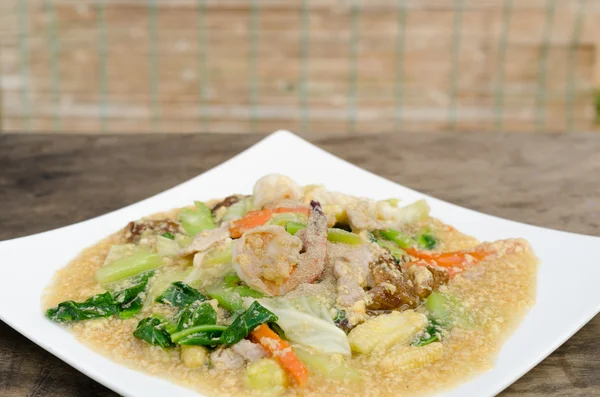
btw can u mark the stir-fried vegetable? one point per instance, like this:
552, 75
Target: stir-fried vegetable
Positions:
129, 300
401, 239
282, 352
142, 260
417, 211
168, 235
266, 377
238, 210
166, 246
334, 235
405, 358
287, 217
218, 255
258, 218
453, 262
200, 335
229, 294
180, 294
193, 356
154, 331
126, 302
427, 241
196, 220
447, 310
395, 251
101, 305
246, 322
195, 314
386, 330
307, 322
432, 333
329, 366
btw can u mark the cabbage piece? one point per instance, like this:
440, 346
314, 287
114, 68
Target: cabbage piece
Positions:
238, 210
166, 247
307, 322
417, 211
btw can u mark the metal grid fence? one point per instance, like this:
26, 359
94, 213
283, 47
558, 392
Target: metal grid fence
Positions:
306, 65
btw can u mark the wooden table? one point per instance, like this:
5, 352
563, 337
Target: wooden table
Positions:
548, 180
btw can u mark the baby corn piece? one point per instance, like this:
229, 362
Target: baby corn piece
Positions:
405, 358
386, 330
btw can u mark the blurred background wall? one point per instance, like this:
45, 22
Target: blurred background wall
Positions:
306, 65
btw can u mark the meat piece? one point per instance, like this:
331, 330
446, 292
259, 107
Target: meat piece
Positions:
205, 240
352, 273
224, 358
134, 230
422, 280
393, 288
227, 202
362, 215
248, 350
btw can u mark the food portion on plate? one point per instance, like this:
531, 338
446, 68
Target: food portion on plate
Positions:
297, 291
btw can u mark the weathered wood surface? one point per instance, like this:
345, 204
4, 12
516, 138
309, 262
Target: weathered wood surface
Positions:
547, 180
318, 66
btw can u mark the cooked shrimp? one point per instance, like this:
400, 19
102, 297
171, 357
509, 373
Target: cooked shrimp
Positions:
269, 259
274, 188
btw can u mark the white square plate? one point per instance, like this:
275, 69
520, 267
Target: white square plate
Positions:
570, 263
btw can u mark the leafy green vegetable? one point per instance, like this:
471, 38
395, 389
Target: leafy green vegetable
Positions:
307, 321
277, 329
168, 235
448, 311
432, 333
195, 314
229, 295
195, 221
98, 306
180, 294
401, 239
341, 236
200, 335
427, 241
394, 250
142, 260
128, 300
294, 227
231, 280
246, 322
153, 330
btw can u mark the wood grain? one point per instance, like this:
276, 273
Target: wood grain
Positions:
548, 180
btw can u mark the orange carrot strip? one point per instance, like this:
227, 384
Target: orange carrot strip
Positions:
281, 351
454, 262
259, 218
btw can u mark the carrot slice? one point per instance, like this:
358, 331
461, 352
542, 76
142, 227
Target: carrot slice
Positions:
454, 262
259, 218
281, 351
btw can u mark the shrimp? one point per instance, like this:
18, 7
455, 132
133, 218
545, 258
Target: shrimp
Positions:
274, 262
273, 189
